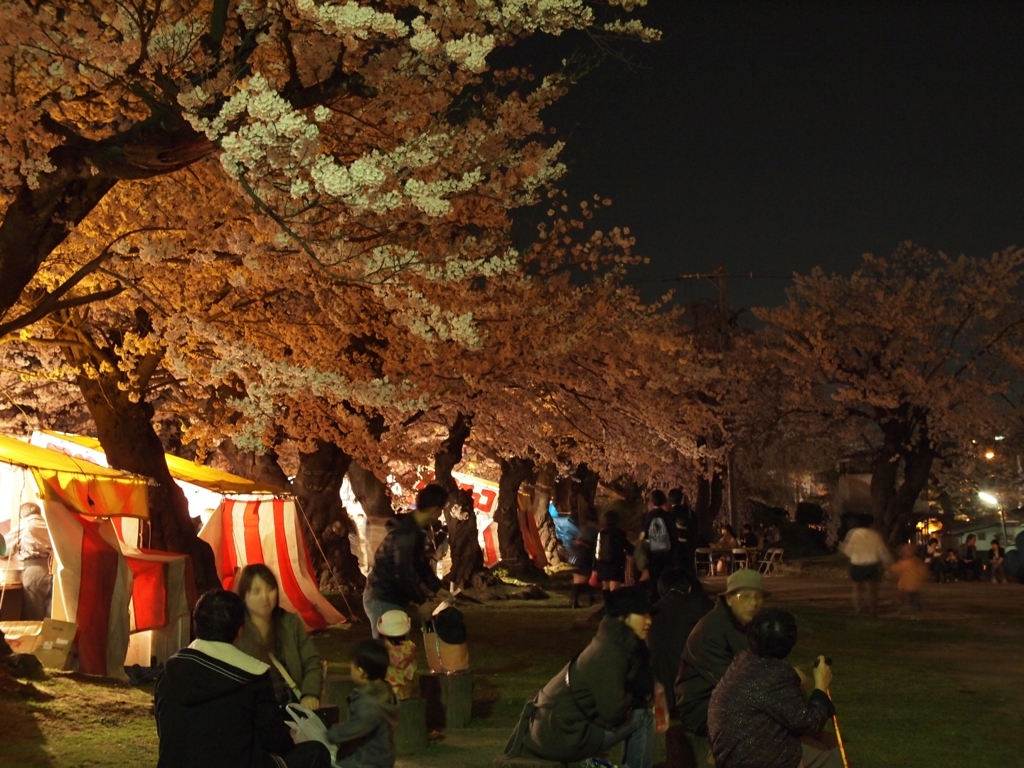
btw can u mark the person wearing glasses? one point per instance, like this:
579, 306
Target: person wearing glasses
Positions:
712, 645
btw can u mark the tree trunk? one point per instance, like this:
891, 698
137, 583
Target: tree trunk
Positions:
707, 507
125, 431
510, 536
317, 489
371, 493
543, 487
892, 501
467, 559
575, 495
259, 467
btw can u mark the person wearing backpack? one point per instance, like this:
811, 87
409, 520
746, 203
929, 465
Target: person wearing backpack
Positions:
659, 536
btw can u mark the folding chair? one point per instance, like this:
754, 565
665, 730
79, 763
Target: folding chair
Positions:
740, 559
771, 559
703, 559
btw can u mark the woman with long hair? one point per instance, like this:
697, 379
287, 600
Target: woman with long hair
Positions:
278, 638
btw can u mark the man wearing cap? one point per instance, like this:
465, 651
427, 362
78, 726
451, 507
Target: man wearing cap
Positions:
601, 697
710, 649
401, 572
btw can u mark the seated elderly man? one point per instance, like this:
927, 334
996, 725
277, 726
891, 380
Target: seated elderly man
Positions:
758, 717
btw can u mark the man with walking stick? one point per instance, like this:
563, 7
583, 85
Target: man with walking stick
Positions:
758, 715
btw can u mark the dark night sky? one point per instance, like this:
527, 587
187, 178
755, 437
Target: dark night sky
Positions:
772, 137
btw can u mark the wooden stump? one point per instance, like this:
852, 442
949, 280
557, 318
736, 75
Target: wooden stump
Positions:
411, 734
449, 699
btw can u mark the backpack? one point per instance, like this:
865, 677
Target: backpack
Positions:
657, 535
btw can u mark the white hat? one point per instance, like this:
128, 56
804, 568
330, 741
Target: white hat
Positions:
394, 624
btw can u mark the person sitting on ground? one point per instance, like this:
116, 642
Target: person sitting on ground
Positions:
215, 705
758, 715
611, 551
600, 698
394, 627
709, 651
277, 637
970, 565
683, 603
910, 573
996, 559
402, 573
367, 737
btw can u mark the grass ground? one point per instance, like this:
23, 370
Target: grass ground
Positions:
944, 691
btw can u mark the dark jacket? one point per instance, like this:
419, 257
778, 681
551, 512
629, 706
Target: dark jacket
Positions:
592, 694
295, 650
367, 738
758, 714
709, 651
678, 613
215, 706
401, 566
610, 554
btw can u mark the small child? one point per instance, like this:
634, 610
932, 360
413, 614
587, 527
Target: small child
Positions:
394, 627
367, 738
911, 574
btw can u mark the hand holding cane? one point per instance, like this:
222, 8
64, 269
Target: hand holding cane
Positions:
822, 678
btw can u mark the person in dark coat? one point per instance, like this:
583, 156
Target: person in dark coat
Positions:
611, 551
758, 717
583, 564
215, 705
682, 605
600, 698
710, 649
401, 572
686, 528
659, 533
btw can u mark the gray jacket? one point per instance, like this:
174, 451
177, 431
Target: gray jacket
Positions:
367, 738
295, 650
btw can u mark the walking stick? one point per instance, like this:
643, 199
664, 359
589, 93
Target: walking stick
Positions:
839, 736
835, 721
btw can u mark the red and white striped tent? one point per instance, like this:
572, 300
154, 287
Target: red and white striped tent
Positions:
268, 530
252, 523
93, 582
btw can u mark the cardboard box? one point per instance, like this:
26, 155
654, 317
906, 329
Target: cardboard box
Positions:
48, 640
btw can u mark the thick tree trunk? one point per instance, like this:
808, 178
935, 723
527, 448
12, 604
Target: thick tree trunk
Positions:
317, 488
259, 467
892, 501
467, 559
510, 537
542, 489
707, 507
125, 430
575, 495
371, 493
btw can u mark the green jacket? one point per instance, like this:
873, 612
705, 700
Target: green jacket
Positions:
295, 650
593, 694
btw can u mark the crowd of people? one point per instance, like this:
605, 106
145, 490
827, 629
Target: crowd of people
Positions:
711, 674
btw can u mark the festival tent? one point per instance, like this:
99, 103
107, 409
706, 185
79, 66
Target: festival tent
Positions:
267, 530
250, 523
93, 580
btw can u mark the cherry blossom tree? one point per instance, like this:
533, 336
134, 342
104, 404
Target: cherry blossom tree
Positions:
911, 357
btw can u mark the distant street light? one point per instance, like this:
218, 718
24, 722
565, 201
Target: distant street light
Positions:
992, 501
